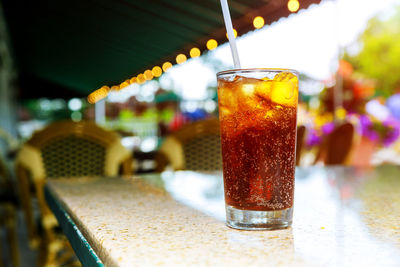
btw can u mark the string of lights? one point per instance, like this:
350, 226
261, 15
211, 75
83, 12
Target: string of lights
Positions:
157, 71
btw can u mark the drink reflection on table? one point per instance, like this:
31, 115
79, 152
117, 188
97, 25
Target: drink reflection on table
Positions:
381, 204
351, 208
269, 241
202, 191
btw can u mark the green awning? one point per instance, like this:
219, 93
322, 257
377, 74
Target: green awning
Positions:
81, 45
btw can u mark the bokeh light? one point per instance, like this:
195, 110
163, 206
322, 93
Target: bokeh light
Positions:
123, 85
148, 75
180, 58
166, 66
258, 22
140, 78
195, 52
211, 44
293, 5
76, 116
75, 104
234, 34
157, 71
98, 94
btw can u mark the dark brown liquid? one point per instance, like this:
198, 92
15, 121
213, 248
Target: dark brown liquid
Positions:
258, 151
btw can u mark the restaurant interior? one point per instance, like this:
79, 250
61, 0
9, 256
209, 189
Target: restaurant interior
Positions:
113, 147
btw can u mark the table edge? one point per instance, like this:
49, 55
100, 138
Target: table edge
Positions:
77, 240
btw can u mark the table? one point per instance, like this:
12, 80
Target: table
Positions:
343, 217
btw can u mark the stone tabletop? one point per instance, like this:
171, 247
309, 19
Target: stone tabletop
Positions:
343, 217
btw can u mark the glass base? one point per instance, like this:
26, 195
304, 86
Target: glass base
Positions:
258, 220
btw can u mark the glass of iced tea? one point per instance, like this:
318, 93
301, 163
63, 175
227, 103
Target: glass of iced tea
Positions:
257, 111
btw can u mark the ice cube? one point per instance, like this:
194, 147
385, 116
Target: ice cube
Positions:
285, 93
232, 78
285, 77
248, 89
263, 90
226, 96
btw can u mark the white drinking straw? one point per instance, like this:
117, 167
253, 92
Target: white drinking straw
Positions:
231, 36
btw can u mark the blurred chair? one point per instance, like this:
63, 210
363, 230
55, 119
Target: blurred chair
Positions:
8, 214
337, 146
12, 143
144, 161
301, 135
195, 146
63, 149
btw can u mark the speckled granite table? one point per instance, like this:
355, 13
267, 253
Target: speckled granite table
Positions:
343, 217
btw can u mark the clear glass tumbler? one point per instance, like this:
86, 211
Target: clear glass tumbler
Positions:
258, 110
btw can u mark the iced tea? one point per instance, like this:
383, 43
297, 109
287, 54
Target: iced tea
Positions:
257, 110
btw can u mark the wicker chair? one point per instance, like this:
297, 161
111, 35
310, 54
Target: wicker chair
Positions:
196, 146
63, 149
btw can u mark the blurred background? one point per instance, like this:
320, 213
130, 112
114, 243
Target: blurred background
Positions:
346, 52
146, 70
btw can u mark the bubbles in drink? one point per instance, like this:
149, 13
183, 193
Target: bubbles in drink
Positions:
258, 134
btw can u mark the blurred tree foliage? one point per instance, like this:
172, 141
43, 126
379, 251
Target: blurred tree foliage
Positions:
379, 57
